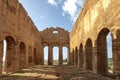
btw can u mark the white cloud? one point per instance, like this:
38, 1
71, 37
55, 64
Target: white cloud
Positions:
41, 17
63, 14
72, 8
52, 2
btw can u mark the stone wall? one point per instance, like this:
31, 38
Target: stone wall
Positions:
16, 27
96, 20
55, 37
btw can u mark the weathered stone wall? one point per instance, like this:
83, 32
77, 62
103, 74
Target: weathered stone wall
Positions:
96, 20
16, 24
55, 37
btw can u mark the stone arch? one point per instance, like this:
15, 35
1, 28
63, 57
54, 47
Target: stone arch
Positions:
102, 59
55, 55
81, 55
65, 54
10, 54
88, 53
22, 62
46, 47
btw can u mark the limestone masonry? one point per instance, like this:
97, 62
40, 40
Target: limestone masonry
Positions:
86, 43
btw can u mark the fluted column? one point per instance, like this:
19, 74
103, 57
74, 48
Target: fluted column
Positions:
60, 55
50, 55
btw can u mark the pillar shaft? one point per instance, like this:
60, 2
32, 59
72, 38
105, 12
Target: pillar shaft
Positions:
27, 57
50, 55
116, 57
84, 60
75, 58
95, 59
17, 57
60, 55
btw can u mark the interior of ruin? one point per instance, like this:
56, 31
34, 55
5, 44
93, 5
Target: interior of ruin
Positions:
87, 53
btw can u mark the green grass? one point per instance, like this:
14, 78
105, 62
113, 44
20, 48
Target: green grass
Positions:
110, 64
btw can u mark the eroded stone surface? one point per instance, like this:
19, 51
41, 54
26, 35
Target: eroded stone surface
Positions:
86, 41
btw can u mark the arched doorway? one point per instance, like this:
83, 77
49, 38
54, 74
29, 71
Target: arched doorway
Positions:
4, 56
8, 55
55, 55
109, 51
65, 55
22, 63
46, 55
88, 49
81, 56
102, 51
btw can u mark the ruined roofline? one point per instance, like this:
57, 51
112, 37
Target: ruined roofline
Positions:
55, 28
26, 13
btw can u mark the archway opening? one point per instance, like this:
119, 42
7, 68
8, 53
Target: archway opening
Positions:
22, 63
65, 55
104, 51
4, 56
81, 56
109, 52
46, 55
8, 55
55, 55
88, 49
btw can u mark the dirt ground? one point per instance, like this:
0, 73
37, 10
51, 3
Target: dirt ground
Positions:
53, 73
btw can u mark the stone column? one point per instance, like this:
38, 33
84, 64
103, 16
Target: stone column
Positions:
17, 54
74, 58
84, 59
1, 56
27, 57
50, 55
43, 54
116, 57
95, 59
60, 55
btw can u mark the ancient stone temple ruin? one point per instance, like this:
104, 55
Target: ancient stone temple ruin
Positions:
86, 43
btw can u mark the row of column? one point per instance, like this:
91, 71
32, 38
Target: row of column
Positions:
96, 68
50, 55
12, 61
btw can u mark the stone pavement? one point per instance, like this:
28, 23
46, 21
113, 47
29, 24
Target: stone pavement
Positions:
52, 73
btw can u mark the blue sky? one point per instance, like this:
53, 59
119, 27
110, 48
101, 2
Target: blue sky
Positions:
47, 13
53, 13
